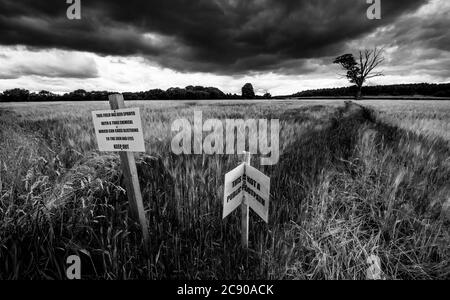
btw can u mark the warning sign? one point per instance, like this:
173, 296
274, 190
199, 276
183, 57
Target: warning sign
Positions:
232, 190
249, 183
256, 186
119, 130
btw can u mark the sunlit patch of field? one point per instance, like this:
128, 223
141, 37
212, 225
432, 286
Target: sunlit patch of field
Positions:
427, 117
348, 185
70, 124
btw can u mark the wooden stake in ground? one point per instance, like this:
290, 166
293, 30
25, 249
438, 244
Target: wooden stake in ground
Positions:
245, 210
129, 169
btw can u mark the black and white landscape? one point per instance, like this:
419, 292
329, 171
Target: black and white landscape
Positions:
352, 96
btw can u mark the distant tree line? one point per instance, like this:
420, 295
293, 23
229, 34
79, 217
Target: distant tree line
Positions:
199, 92
419, 89
187, 93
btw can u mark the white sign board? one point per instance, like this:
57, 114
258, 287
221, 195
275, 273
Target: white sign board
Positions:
249, 183
232, 197
119, 130
256, 186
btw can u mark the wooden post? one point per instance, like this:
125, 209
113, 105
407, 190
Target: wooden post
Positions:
131, 180
245, 211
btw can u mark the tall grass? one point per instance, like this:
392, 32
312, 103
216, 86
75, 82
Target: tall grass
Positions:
424, 117
347, 186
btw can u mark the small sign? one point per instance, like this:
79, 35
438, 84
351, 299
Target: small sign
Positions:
232, 190
256, 186
246, 182
119, 130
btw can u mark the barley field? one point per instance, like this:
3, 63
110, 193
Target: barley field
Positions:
353, 180
426, 117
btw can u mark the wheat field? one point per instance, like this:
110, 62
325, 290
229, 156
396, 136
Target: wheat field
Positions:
352, 181
426, 117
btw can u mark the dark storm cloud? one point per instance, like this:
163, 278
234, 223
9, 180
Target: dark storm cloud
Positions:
419, 43
221, 36
432, 32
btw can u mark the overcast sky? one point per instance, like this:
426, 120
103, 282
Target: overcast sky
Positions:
281, 46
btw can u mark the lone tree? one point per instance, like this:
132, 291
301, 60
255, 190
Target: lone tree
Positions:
247, 91
359, 71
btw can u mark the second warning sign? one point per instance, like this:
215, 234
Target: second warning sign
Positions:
119, 130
